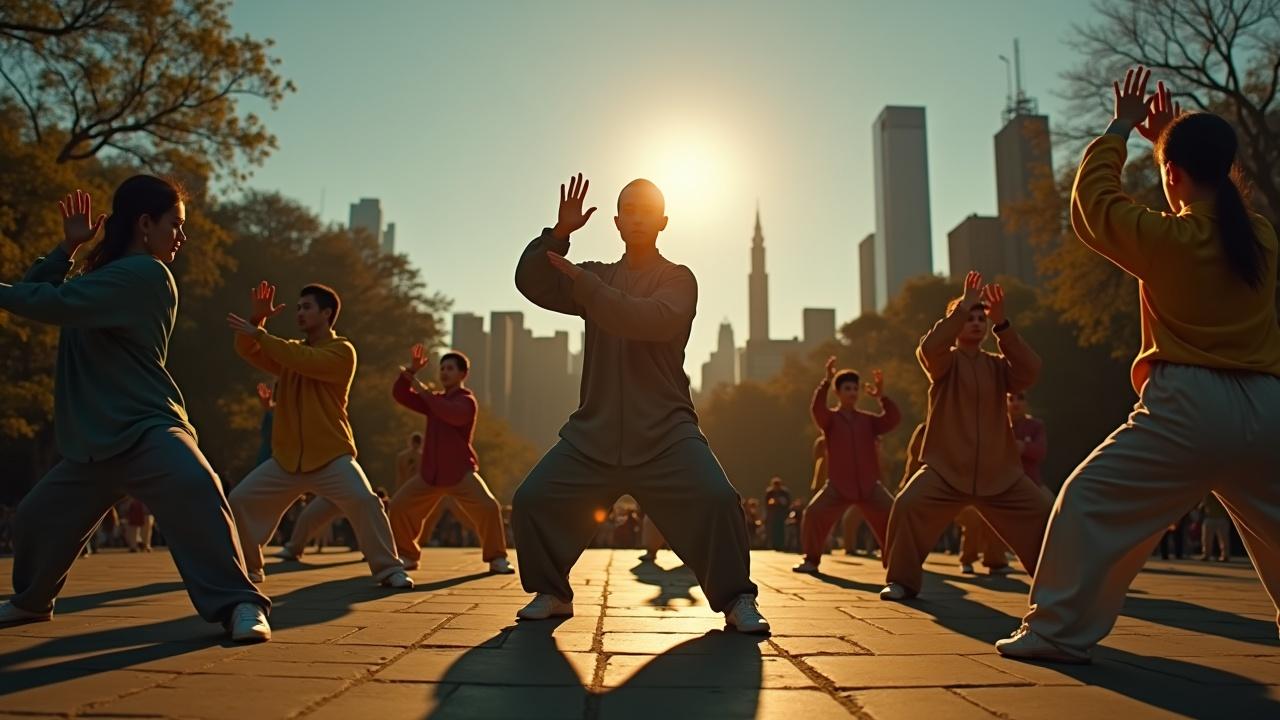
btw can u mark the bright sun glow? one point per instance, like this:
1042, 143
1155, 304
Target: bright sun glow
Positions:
693, 168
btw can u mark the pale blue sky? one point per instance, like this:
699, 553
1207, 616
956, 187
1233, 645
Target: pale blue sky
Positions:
463, 118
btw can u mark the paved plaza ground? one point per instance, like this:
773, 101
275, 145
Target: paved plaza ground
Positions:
1196, 640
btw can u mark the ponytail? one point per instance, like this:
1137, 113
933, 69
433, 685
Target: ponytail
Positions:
1235, 231
139, 195
1204, 146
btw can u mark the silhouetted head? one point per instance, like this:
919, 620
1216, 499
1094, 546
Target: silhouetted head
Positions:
775, 483
1197, 158
847, 385
147, 214
318, 307
415, 440
640, 213
454, 368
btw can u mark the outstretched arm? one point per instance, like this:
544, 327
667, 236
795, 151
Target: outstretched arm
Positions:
106, 297
818, 409
535, 277
661, 317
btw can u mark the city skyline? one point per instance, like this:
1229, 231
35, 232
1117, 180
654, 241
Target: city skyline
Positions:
725, 123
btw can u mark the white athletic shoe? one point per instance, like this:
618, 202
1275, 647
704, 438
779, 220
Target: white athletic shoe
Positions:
545, 605
745, 615
896, 593
806, 567
1024, 644
398, 580
248, 623
11, 614
285, 553
967, 569
501, 566
257, 577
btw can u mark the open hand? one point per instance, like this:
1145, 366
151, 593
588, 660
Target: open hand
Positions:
1163, 110
263, 300
972, 291
77, 229
831, 367
561, 263
875, 388
1132, 106
993, 296
417, 359
242, 326
264, 396
571, 216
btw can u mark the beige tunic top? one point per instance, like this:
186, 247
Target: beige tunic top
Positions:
968, 440
634, 400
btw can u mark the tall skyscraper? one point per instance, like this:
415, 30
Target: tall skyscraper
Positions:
819, 326
389, 239
367, 215
758, 287
977, 243
722, 367
505, 332
867, 273
469, 338
903, 244
1024, 157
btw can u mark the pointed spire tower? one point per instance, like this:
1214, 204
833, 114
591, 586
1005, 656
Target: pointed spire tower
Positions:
758, 286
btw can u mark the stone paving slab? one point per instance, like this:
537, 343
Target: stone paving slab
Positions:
1196, 640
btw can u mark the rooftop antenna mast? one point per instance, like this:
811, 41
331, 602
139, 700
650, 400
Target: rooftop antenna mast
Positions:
1016, 101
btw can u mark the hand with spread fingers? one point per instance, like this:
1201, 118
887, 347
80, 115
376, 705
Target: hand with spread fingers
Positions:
875, 388
571, 217
1163, 111
78, 227
993, 296
417, 359
972, 291
263, 301
1132, 106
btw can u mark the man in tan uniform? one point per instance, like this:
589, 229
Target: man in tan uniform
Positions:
969, 455
635, 430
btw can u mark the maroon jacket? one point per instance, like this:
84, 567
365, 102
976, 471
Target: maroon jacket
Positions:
447, 454
1031, 432
853, 463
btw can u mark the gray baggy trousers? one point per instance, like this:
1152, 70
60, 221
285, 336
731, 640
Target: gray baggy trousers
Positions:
169, 474
684, 490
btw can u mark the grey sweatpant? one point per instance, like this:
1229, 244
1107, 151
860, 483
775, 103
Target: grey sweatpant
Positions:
684, 490
1193, 431
168, 473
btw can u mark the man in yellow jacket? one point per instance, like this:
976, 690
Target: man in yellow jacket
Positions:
312, 448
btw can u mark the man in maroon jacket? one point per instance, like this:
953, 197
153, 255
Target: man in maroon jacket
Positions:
449, 465
853, 464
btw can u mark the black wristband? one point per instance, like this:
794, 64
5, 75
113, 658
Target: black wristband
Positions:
1001, 327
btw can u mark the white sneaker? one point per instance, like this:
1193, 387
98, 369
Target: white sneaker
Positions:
967, 569
896, 593
285, 553
257, 577
806, 567
248, 623
398, 580
545, 605
501, 566
745, 615
11, 614
1024, 644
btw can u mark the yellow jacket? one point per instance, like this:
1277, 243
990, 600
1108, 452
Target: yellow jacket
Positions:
1195, 310
310, 428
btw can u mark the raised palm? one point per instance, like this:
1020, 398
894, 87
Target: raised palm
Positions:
77, 226
571, 217
993, 296
1131, 103
263, 299
418, 358
1163, 110
972, 291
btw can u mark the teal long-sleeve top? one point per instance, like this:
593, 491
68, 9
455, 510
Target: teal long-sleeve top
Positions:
110, 384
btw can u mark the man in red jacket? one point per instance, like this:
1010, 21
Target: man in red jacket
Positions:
449, 465
853, 464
